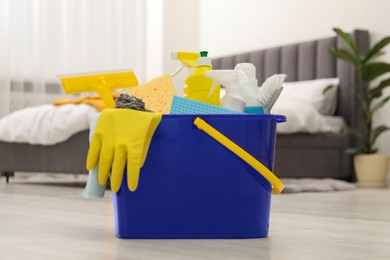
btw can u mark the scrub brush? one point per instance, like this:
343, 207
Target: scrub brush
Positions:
270, 91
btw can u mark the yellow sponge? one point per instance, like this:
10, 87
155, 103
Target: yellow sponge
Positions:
157, 94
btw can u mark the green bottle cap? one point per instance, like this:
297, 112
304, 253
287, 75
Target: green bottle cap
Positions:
203, 53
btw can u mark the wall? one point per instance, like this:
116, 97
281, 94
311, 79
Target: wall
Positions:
230, 26
154, 37
181, 33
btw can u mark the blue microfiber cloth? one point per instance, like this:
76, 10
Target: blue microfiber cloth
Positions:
93, 189
182, 105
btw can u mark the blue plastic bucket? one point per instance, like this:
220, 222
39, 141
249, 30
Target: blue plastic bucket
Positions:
191, 186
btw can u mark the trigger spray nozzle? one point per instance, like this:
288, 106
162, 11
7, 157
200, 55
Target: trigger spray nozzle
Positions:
187, 59
230, 80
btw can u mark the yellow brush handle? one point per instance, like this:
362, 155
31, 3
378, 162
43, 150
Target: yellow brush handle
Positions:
277, 185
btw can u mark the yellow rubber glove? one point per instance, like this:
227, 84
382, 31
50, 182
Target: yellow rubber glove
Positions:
121, 135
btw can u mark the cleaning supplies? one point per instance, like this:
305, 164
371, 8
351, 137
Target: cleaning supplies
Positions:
230, 80
102, 82
249, 88
187, 106
245, 156
156, 93
93, 189
270, 91
130, 102
198, 85
188, 60
121, 135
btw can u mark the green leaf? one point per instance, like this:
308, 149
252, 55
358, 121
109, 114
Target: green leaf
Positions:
377, 91
328, 88
374, 70
369, 150
380, 104
347, 39
374, 57
352, 131
362, 103
365, 108
352, 151
368, 117
375, 50
373, 150
376, 132
345, 55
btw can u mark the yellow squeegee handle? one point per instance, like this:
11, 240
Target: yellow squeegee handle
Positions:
277, 185
100, 82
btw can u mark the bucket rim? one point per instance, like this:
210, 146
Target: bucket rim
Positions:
277, 118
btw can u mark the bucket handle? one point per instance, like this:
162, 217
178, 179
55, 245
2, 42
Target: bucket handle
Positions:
277, 185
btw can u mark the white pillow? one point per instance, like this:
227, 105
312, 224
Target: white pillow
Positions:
301, 118
311, 91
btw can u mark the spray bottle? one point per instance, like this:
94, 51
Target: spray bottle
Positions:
249, 88
198, 85
230, 79
187, 59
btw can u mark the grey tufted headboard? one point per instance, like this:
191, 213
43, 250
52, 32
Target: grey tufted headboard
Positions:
305, 61
311, 155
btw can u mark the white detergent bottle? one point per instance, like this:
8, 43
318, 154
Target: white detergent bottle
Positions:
249, 88
230, 80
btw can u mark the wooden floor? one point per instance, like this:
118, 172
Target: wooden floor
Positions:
49, 221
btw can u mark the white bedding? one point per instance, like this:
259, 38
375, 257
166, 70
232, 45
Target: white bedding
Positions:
46, 124
304, 118
49, 125
336, 123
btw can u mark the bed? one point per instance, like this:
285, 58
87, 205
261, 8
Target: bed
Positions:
300, 155
311, 155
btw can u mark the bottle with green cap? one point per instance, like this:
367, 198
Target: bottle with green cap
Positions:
198, 85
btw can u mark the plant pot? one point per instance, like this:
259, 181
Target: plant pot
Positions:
371, 170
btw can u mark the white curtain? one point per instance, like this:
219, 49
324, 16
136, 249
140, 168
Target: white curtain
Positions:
40, 39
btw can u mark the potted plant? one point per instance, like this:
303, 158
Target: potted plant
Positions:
371, 168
